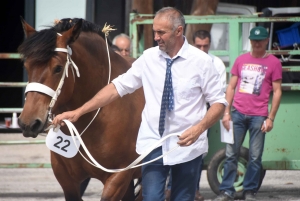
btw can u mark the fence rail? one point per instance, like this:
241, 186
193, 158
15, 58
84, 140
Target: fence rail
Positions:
25, 165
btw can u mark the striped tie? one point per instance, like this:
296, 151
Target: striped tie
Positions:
167, 100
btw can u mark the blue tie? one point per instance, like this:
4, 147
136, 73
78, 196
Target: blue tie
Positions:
167, 100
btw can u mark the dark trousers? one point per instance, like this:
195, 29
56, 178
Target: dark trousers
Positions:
184, 178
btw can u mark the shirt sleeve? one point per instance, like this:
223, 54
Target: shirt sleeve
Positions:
235, 70
131, 80
277, 73
211, 85
222, 71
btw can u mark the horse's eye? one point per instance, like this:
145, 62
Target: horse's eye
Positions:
58, 69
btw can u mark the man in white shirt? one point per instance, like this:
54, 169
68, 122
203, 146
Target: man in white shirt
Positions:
176, 105
202, 41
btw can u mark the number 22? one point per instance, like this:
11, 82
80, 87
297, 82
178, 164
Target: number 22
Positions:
60, 141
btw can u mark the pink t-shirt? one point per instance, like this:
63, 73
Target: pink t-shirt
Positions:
255, 77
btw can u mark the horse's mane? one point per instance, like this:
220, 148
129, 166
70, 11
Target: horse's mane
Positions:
66, 23
40, 46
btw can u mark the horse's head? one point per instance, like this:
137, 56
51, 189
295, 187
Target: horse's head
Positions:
45, 66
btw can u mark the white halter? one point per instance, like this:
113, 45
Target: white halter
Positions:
38, 87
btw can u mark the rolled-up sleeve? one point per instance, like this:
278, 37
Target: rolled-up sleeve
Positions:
131, 80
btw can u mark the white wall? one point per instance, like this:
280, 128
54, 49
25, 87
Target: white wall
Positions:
48, 10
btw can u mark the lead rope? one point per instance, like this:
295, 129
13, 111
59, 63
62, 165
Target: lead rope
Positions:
105, 30
72, 129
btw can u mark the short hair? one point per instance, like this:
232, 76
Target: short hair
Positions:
174, 15
121, 35
202, 34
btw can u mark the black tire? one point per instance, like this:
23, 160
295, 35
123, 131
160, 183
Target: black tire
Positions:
215, 171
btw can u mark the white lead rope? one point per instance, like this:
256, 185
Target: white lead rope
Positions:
106, 30
93, 162
72, 129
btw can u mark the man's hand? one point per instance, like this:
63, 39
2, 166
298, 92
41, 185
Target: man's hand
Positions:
189, 136
226, 119
71, 116
267, 126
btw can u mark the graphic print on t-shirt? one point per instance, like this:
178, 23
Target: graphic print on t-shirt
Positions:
252, 76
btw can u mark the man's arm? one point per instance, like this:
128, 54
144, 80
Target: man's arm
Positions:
229, 97
275, 104
212, 116
106, 95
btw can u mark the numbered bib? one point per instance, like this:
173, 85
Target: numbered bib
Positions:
62, 144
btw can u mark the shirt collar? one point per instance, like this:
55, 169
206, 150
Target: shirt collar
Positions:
183, 52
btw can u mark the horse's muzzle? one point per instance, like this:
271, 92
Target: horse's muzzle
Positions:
33, 129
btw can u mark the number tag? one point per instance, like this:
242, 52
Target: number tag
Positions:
62, 144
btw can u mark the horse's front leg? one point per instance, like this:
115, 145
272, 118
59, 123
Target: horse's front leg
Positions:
119, 187
70, 187
129, 194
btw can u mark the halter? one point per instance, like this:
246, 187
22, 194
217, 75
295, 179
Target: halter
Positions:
38, 87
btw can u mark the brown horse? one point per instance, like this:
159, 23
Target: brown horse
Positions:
112, 135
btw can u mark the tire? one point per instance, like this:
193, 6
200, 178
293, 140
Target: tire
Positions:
215, 171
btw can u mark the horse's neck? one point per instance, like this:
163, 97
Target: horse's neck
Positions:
90, 55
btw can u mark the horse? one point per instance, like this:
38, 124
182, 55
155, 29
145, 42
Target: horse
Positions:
112, 135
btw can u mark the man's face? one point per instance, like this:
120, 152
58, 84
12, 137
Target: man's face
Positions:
202, 44
164, 34
259, 45
124, 45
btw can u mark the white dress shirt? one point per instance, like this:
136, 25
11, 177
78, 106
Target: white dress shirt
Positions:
219, 65
195, 82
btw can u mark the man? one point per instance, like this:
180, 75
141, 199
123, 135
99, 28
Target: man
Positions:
176, 105
123, 42
254, 76
202, 41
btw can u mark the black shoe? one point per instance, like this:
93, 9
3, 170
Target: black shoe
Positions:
250, 196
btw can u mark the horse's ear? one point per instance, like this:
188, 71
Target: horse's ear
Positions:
73, 33
28, 30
